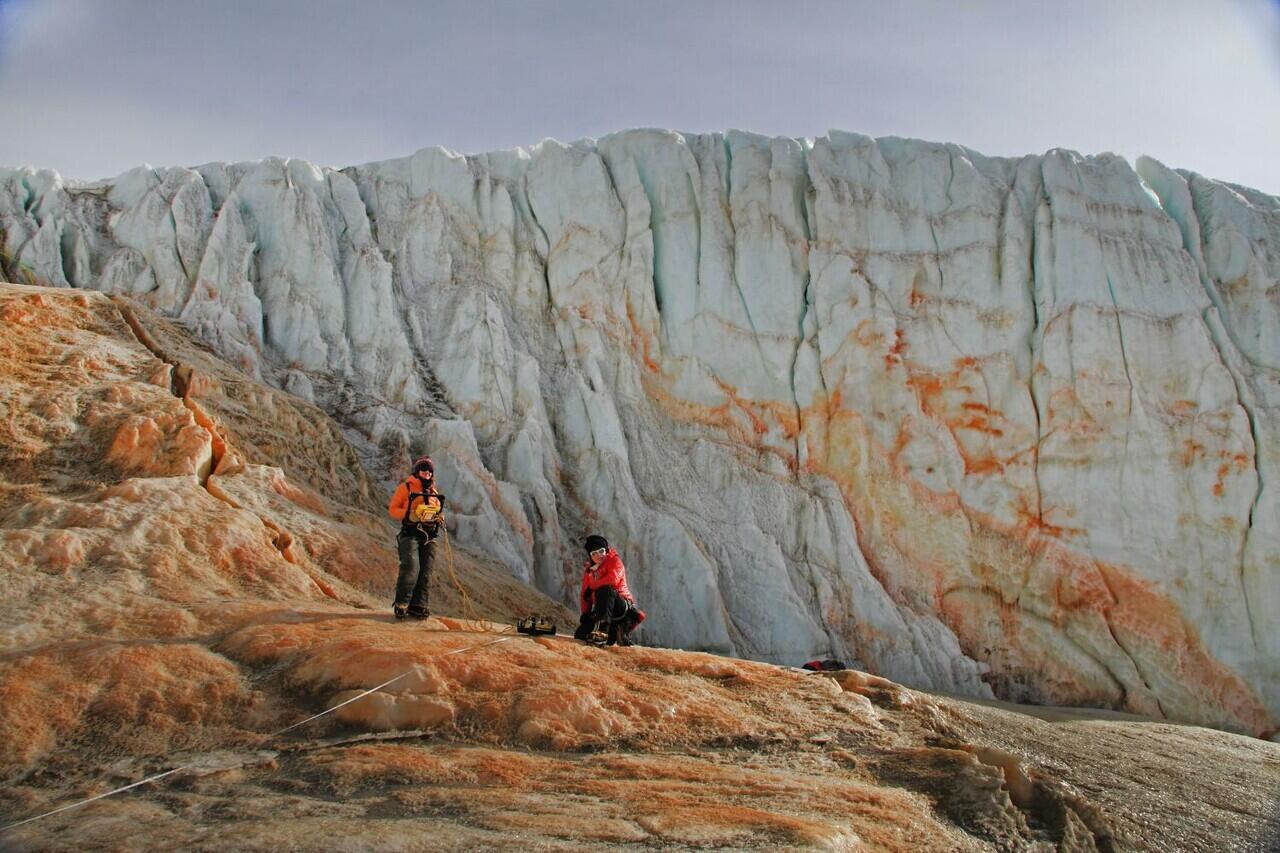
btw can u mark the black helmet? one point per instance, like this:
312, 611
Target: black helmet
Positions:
595, 542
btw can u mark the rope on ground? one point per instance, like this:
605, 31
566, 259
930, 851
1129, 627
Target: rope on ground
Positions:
469, 610
98, 797
274, 734
379, 687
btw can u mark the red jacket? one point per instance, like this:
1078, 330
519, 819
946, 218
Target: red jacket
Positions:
610, 572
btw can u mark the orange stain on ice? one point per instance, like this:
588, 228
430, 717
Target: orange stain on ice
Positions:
1083, 588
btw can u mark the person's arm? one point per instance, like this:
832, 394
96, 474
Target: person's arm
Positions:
399, 503
584, 598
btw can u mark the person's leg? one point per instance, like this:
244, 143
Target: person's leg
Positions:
610, 609
602, 605
407, 548
625, 626
620, 621
608, 604
622, 626
421, 590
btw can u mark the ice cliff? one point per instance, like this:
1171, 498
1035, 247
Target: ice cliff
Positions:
977, 424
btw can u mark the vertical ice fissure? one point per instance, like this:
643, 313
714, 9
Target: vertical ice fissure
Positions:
806, 186
1035, 336
1214, 318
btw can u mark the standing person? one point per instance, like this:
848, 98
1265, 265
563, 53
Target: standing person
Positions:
416, 505
606, 602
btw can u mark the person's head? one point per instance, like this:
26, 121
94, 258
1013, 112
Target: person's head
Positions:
424, 468
597, 547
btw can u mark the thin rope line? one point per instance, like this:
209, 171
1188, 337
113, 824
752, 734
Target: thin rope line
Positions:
272, 735
377, 688
98, 797
339, 705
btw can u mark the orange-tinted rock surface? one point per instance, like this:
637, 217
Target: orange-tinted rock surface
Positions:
193, 562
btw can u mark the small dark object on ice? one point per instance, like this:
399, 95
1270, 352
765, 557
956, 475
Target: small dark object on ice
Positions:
824, 665
536, 625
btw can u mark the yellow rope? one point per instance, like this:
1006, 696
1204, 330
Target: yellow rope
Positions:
468, 606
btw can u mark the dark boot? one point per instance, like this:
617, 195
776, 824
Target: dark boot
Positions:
620, 629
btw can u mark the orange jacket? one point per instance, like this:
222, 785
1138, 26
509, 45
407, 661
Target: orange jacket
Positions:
410, 493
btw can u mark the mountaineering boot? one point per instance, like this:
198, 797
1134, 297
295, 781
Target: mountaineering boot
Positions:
618, 632
400, 611
417, 613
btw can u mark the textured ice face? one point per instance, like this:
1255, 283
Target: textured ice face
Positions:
968, 421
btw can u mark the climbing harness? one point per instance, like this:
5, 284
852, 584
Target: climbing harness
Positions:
424, 511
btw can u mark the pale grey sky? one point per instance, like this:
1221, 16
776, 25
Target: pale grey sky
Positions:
93, 88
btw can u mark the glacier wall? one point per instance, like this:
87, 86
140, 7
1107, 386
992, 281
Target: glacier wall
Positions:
976, 424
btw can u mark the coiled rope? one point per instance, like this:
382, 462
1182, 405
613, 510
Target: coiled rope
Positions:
469, 611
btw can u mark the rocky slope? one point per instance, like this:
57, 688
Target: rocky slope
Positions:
194, 561
978, 424
152, 498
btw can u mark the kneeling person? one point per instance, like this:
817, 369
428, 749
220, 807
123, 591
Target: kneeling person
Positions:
606, 603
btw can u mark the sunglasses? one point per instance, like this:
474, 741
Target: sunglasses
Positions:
600, 551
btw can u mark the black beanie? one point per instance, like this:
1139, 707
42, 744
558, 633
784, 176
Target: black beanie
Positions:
595, 541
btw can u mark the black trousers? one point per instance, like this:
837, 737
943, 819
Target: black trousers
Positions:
416, 555
607, 606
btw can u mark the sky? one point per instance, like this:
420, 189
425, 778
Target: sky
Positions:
93, 88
